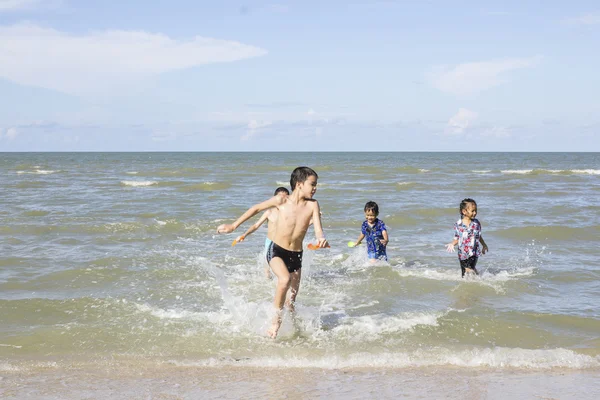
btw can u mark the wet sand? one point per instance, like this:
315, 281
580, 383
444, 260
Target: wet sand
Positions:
175, 382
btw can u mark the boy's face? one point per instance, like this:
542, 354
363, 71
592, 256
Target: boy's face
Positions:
470, 211
308, 188
370, 216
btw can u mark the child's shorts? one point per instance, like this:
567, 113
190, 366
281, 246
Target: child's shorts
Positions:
291, 259
470, 263
377, 255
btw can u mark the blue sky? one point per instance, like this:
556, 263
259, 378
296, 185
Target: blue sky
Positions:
307, 75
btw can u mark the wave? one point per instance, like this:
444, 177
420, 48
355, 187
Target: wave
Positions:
39, 172
154, 226
405, 185
498, 357
551, 171
409, 170
139, 183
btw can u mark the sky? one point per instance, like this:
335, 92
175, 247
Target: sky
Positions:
323, 75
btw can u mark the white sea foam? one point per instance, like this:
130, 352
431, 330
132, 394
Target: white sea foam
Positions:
182, 314
39, 172
551, 171
586, 171
132, 173
367, 326
139, 183
9, 368
482, 171
497, 358
517, 171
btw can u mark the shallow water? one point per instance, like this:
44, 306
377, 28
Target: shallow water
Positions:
114, 256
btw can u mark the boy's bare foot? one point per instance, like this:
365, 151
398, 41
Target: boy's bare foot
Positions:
272, 332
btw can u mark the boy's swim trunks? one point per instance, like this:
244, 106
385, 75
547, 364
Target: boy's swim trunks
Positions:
291, 259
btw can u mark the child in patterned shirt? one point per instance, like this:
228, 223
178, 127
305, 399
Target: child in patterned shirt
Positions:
376, 233
467, 234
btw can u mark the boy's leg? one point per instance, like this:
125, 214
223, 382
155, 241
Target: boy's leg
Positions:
268, 271
294, 287
283, 284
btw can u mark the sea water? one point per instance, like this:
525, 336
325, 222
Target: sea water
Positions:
112, 257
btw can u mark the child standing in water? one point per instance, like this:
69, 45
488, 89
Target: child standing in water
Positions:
467, 234
285, 252
376, 233
270, 215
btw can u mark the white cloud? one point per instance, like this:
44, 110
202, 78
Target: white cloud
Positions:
13, 5
37, 56
461, 121
588, 19
11, 133
253, 127
470, 78
6, 5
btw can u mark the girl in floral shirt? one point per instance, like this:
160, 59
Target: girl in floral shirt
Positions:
467, 234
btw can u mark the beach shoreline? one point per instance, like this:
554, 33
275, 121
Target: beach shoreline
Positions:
176, 382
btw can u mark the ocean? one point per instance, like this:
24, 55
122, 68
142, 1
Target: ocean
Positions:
111, 264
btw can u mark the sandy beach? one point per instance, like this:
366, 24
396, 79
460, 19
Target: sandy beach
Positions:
173, 382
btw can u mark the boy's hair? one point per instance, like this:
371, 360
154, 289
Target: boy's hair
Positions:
300, 175
281, 189
463, 205
372, 206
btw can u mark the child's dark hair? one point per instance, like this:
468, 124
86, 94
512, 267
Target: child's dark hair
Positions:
463, 205
281, 189
372, 206
300, 175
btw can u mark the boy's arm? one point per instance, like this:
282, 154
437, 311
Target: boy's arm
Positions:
385, 238
360, 238
252, 211
316, 218
255, 226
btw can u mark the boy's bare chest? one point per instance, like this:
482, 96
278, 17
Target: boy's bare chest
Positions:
295, 213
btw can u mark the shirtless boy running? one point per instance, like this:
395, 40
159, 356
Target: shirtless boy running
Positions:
285, 253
